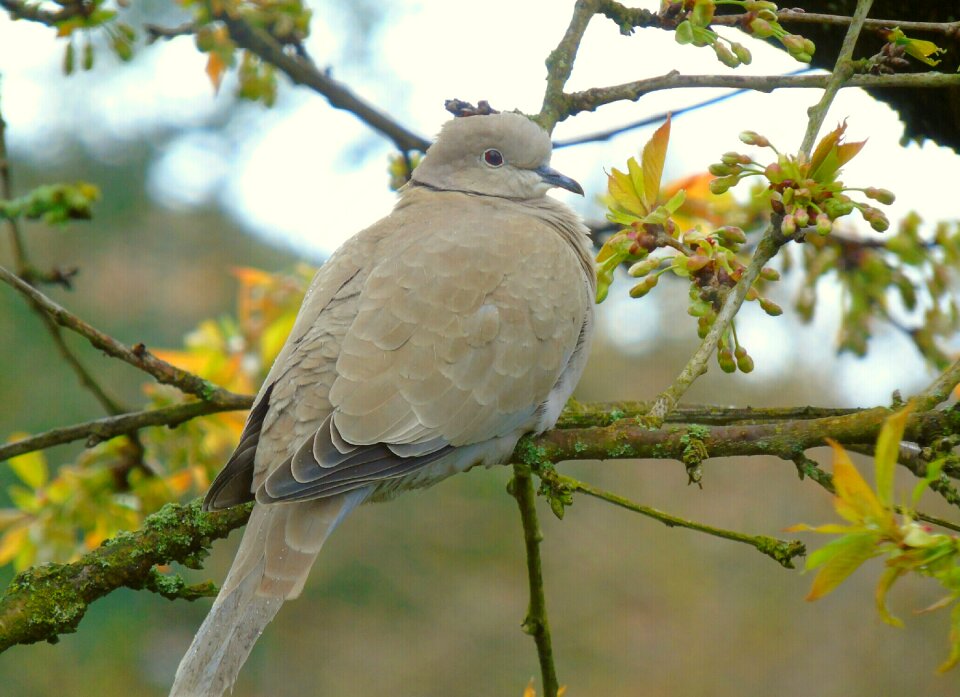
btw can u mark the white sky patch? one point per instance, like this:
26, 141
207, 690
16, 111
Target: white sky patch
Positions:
190, 170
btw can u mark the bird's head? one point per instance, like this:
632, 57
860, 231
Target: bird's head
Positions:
501, 154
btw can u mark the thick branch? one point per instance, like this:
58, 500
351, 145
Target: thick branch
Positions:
50, 600
560, 64
628, 439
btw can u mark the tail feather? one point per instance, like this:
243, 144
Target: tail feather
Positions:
278, 548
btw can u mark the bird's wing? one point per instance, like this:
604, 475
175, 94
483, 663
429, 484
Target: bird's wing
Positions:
461, 330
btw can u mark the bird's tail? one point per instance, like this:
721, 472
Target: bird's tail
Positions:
279, 546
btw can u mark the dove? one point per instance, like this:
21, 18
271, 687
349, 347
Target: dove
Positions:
427, 344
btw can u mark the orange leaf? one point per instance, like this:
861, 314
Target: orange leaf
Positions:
215, 69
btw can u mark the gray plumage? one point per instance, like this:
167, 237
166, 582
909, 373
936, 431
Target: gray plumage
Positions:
426, 345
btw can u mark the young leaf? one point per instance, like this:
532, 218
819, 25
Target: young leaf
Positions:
954, 656
838, 559
888, 452
887, 579
654, 155
855, 500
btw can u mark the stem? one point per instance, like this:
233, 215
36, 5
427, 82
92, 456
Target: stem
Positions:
697, 365
842, 71
783, 551
535, 623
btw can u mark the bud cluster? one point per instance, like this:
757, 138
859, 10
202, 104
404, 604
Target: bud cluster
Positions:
759, 19
804, 192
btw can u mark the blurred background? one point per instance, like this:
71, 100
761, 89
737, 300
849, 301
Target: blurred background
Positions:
424, 596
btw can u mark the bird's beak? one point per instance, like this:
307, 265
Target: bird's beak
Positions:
554, 178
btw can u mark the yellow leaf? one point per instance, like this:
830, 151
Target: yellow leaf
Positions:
11, 543
829, 528
31, 468
854, 495
654, 155
888, 453
530, 690
621, 189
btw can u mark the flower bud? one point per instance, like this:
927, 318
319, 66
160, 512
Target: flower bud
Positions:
731, 234
642, 268
824, 226
684, 33
768, 274
884, 196
720, 185
720, 169
774, 172
801, 217
788, 225
742, 53
725, 359
770, 307
725, 55
644, 287
754, 138
760, 28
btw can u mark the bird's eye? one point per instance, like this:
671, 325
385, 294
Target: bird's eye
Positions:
493, 157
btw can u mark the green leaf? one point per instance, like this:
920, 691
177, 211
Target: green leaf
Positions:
954, 656
838, 559
888, 453
887, 579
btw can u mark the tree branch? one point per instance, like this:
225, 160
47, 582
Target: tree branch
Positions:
109, 427
536, 623
591, 99
137, 356
301, 71
782, 551
51, 599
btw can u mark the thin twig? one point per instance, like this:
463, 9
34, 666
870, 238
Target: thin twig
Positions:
136, 356
109, 427
782, 551
303, 72
535, 623
591, 99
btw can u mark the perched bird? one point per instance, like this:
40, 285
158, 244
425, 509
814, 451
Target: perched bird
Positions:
427, 344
